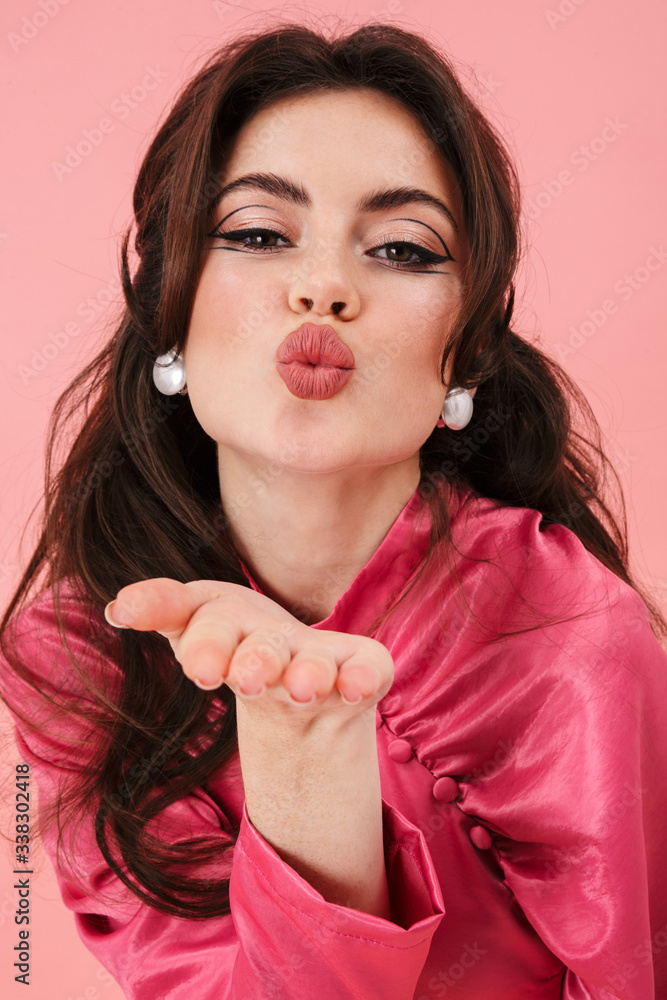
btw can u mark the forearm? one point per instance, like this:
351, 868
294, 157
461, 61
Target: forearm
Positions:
314, 795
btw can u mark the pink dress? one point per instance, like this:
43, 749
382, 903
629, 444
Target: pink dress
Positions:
524, 792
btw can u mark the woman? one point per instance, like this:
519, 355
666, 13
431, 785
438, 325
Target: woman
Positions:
378, 710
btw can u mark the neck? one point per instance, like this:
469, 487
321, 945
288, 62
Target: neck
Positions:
305, 536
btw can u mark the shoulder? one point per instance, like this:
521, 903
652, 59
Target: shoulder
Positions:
545, 651
58, 643
527, 572
37, 619
520, 538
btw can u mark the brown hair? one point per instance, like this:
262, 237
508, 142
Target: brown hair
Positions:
138, 493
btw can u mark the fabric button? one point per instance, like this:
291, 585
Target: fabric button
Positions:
445, 789
378, 720
400, 750
480, 837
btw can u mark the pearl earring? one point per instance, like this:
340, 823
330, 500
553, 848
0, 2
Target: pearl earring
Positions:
457, 411
169, 373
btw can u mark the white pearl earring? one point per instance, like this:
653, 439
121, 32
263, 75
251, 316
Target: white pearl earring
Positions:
457, 410
169, 373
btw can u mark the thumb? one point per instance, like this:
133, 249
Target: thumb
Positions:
160, 605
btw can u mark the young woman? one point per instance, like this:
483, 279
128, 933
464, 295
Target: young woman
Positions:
374, 709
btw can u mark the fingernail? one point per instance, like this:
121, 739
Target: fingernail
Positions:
248, 692
300, 701
252, 694
207, 687
120, 621
355, 702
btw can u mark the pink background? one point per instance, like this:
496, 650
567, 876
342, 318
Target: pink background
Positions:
577, 86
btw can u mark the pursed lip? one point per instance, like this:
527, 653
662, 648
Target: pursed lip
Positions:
315, 344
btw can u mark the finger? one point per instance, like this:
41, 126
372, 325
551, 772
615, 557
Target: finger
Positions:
217, 628
208, 643
159, 604
164, 605
311, 674
259, 660
367, 673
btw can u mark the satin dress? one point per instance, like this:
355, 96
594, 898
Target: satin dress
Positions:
524, 786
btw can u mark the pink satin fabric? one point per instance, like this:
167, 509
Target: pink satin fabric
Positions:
524, 789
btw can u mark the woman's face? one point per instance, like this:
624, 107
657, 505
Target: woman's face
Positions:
322, 256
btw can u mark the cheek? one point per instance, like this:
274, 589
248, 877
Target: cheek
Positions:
217, 295
428, 307
421, 341
240, 307
221, 320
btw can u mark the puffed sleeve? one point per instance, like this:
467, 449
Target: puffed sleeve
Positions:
282, 939
577, 807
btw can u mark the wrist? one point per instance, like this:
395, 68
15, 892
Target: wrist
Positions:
287, 724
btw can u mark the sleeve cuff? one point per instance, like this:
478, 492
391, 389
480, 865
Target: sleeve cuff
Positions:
414, 891
351, 953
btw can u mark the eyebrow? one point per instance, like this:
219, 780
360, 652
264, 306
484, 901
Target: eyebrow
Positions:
377, 201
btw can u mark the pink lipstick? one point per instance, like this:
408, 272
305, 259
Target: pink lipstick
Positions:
313, 362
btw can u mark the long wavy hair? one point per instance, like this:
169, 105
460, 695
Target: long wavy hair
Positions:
137, 495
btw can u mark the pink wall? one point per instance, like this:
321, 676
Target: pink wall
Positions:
578, 87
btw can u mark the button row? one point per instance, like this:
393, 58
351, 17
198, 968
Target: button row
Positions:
445, 789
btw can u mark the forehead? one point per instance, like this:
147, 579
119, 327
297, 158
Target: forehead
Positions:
370, 133
355, 104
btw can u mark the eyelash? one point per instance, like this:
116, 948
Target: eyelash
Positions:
427, 257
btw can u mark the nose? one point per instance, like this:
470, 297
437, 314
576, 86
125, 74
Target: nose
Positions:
324, 286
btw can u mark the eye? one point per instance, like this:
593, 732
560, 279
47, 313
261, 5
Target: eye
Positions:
409, 255
399, 253
266, 238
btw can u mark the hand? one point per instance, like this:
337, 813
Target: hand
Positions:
222, 632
